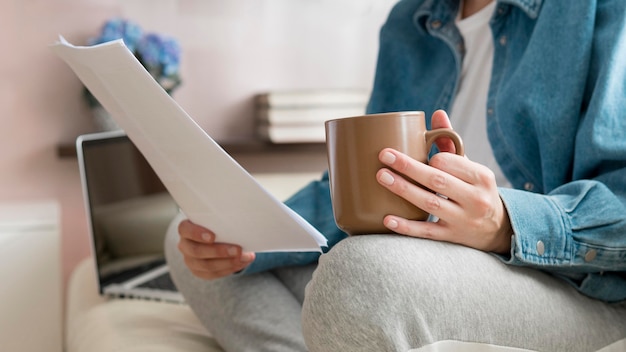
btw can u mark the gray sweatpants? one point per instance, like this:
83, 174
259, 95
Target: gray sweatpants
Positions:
394, 293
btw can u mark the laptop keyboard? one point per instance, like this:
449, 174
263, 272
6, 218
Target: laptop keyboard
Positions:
162, 282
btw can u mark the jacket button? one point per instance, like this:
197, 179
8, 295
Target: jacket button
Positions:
590, 255
529, 186
435, 24
541, 248
503, 40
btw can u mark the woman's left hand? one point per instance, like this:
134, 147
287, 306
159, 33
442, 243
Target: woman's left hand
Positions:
471, 213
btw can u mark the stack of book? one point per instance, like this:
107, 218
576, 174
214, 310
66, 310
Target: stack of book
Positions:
298, 116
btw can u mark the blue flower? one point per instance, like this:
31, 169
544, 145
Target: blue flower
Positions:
149, 49
160, 55
170, 56
118, 28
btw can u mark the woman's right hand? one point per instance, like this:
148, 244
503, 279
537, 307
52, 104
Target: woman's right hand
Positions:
207, 259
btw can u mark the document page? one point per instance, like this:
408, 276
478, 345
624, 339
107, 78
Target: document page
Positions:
210, 187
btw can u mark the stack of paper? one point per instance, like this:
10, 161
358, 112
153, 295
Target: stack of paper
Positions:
211, 188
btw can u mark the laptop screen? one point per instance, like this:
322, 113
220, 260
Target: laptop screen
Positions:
128, 208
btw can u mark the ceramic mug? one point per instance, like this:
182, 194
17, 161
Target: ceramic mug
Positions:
353, 143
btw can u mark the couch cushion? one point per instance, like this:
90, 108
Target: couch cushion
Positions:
95, 323
132, 325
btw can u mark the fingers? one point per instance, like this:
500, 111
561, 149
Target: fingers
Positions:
429, 230
462, 168
208, 250
442, 181
191, 231
420, 197
209, 269
442, 172
206, 258
461, 193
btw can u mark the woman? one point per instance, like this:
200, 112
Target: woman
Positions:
529, 248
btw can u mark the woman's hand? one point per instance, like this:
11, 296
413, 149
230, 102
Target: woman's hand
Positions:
207, 259
470, 212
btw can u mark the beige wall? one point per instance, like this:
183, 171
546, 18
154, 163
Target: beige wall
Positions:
232, 49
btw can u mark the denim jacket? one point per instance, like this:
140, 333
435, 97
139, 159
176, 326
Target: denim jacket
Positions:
556, 120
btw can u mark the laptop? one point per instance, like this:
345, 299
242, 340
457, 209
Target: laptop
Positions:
128, 211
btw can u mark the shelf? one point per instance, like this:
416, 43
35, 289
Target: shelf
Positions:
68, 150
260, 147
259, 156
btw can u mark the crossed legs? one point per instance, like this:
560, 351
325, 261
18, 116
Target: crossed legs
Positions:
394, 293
259, 312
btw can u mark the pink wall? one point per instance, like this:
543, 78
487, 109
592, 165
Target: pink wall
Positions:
231, 50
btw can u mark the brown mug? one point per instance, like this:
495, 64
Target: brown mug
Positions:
353, 143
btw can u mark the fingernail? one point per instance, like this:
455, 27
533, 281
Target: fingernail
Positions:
392, 224
388, 158
206, 237
386, 178
232, 251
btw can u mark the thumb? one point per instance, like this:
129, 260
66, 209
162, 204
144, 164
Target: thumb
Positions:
440, 120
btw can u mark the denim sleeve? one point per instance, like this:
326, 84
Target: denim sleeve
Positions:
578, 230
312, 203
579, 227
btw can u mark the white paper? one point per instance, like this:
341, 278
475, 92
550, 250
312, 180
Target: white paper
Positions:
211, 188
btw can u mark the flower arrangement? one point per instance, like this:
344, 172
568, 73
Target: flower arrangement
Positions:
159, 54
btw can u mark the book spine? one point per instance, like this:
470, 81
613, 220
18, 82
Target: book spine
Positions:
292, 134
312, 98
304, 116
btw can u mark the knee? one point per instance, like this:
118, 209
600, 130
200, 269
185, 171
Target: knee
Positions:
353, 268
362, 266
349, 303
384, 293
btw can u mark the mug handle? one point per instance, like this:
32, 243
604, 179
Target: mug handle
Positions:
432, 135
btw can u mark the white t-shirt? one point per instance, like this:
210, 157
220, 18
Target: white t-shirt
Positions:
469, 111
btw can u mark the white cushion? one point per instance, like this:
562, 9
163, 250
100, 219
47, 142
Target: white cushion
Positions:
98, 324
